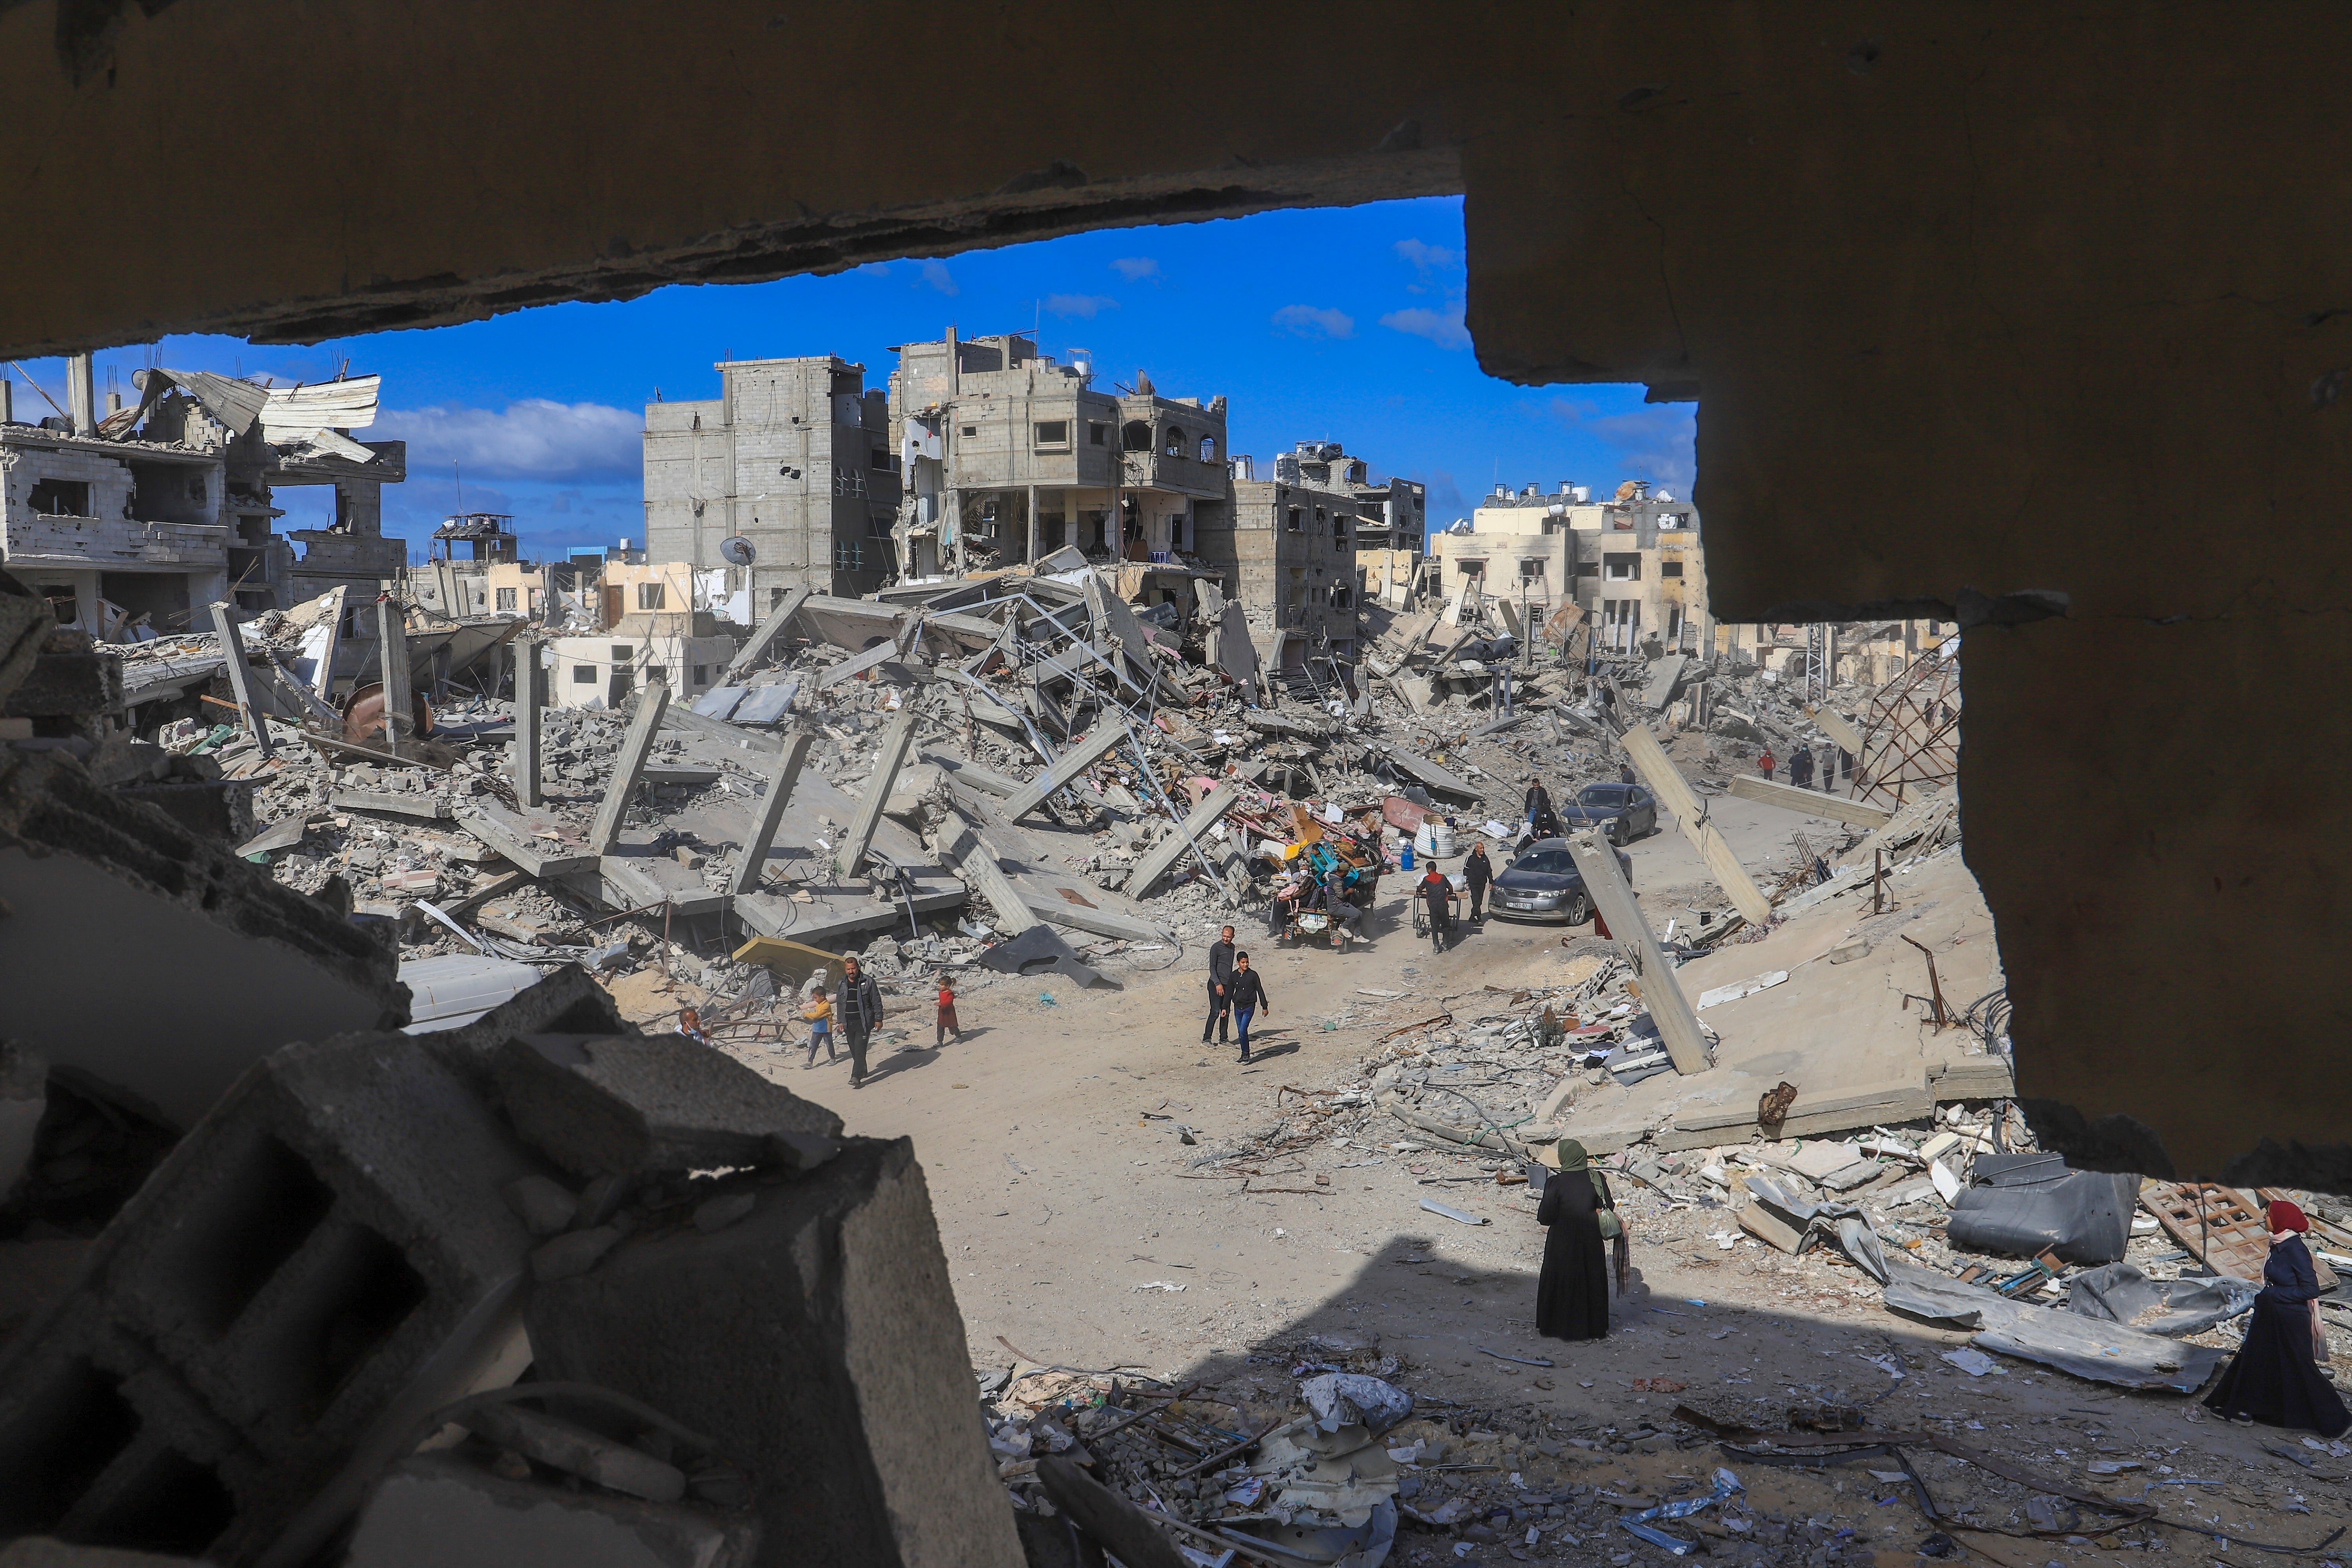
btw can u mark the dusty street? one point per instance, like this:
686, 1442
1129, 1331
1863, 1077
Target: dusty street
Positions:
1081, 1235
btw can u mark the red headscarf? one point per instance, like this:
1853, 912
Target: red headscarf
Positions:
2284, 1216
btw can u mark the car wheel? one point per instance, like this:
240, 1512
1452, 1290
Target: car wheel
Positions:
1580, 912
1617, 834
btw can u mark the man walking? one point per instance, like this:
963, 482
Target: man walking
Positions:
856, 1010
1764, 762
1477, 871
1800, 767
1221, 986
1437, 893
1248, 995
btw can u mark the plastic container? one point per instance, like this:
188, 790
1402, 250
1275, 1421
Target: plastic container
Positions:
1434, 838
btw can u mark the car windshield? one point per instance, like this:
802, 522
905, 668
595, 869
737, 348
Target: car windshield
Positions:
1554, 861
1602, 794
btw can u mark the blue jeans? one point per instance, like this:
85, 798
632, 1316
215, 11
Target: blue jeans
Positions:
1242, 1016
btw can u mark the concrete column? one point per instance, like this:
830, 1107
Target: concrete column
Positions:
240, 678
530, 697
786, 774
888, 757
629, 767
1033, 524
81, 394
392, 648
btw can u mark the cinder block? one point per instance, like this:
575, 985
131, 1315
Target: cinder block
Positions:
324, 1259
816, 1340
609, 1105
444, 1512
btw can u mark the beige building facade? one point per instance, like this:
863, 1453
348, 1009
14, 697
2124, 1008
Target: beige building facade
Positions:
1009, 454
1633, 563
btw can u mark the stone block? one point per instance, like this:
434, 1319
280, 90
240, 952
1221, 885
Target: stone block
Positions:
444, 1512
638, 1104
843, 1386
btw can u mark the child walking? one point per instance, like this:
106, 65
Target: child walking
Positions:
818, 1012
948, 1025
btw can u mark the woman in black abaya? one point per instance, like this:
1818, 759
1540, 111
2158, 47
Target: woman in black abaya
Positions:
1572, 1296
2275, 1378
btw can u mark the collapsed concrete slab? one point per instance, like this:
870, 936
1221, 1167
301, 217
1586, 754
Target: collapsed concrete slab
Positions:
844, 1390
623, 1105
229, 964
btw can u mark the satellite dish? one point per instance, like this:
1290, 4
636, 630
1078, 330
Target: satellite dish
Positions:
737, 550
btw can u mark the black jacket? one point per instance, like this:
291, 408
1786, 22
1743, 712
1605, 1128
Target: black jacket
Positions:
856, 1006
1247, 990
1478, 870
1221, 964
1437, 894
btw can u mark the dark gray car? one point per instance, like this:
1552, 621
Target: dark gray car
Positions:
1625, 812
1543, 884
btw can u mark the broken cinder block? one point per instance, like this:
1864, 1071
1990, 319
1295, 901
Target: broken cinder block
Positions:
602, 1105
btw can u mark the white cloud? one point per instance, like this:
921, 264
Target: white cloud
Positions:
1087, 306
1442, 327
530, 439
1135, 267
936, 274
873, 270
1314, 321
1660, 441
1428, 259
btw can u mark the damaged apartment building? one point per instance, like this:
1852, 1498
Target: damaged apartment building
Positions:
1010, 455
787, 473
129, 523
1633, 563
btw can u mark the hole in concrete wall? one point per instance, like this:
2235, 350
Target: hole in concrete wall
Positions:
61, 1441
176, 1505
360, 1291
253, 1222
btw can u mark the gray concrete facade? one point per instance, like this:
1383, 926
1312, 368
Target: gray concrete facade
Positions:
795, 456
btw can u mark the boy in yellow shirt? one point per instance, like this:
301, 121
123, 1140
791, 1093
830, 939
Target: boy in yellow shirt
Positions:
818, 1015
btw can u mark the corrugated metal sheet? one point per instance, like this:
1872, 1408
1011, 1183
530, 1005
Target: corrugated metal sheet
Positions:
345, 405
236, 404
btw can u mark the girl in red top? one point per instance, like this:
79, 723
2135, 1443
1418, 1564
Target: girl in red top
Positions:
948, 1025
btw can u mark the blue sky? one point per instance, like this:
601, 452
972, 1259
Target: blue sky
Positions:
1331, 324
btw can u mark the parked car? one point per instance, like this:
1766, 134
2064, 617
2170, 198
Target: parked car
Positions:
1626, 811
1541, 883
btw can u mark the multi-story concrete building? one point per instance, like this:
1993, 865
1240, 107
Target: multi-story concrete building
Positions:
793, 458
1289, 556
144, 516
1633, 563
1391, 524
1009, 454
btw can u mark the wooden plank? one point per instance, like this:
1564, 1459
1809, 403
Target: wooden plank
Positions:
652, 702
771, 628
1106, 734
1604, 880
754, 863
1690, 815
889, 755
519, 840
1811, 803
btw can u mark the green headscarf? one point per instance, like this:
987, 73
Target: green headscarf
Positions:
1571, 1155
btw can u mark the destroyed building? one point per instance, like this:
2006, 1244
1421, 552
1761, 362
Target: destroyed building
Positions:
1289, 553
130, 524
1633, 563
793, 458
1010, 455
